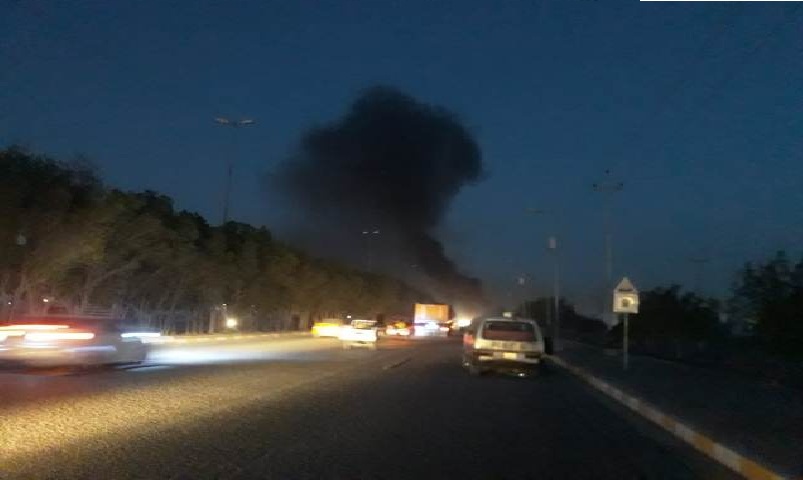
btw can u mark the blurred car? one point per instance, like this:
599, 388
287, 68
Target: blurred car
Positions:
430, 329
327, 328
360, 333
503, 344
55, 341
399, 329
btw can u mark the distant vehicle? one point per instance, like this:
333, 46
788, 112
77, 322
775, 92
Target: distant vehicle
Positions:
360, 333
74, 341
399, 329
431, 320
503, 344
329, 327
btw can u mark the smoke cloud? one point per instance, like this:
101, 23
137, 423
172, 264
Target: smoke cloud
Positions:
391, 164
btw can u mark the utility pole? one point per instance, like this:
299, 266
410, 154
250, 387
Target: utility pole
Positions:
230, 162
608, 187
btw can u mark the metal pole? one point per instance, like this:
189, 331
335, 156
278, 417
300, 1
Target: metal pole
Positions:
608, 242
624, 342
370, 246
227, 192
608, 188
230, 163
553, 246
556, 288
551, 240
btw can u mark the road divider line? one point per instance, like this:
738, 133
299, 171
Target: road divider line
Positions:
397, 364
740, 464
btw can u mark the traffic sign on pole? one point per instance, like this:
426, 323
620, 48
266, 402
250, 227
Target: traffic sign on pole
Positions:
625, 301
625, 297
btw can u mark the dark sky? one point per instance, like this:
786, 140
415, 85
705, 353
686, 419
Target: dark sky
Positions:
695, 107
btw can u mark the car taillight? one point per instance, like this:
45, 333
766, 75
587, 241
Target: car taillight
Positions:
52, 336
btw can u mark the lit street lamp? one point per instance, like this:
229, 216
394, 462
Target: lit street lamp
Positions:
230, 163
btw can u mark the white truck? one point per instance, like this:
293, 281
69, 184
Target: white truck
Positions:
360, 333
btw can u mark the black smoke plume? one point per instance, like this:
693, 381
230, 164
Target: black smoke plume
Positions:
391, 164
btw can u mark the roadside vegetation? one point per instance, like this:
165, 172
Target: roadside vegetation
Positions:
70, 244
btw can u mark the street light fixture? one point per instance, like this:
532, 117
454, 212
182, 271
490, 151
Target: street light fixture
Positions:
244, 122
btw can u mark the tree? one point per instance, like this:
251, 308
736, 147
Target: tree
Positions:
87, 244
669, 314
771, 296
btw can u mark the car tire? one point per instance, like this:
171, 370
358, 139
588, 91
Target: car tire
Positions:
474, 370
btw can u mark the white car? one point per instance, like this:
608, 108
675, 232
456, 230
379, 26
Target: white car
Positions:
399, 329
55, 341
360, 333
508, 344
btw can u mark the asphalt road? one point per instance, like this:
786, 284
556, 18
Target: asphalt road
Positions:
304, 408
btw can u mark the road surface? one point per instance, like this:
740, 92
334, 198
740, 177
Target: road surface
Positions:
305, 408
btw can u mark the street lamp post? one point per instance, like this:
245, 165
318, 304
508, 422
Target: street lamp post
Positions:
369, 234
230, 163
608, 187
552, 246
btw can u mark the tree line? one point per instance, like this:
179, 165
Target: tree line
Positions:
764, 311
71, 244
763, 314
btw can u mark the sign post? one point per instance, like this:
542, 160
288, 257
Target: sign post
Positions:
625, 301
624, 341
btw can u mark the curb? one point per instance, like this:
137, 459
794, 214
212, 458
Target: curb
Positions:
740, 464
220, 338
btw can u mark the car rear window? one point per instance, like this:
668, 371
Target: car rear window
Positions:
511, 331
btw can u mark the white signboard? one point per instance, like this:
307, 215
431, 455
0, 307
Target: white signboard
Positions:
625, 297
